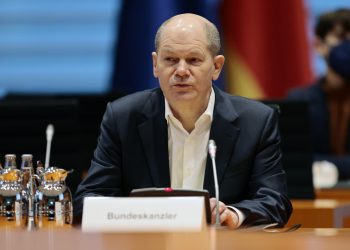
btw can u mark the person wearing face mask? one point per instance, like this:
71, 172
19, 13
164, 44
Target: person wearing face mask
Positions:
329, 97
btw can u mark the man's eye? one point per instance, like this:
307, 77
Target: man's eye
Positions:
170, 59
195, 60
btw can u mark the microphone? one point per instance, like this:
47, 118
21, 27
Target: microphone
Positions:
49, 135
212, 153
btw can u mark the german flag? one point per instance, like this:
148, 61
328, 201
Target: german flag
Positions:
266, 47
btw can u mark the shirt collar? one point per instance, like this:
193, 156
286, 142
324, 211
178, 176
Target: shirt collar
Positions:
208, 112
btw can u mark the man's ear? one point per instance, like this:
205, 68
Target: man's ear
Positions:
219, 61
154, 61
320, 47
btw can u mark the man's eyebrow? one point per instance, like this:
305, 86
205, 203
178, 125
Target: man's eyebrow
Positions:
193, 52
196, 53
167, 50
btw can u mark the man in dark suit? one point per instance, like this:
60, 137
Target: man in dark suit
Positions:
159, 137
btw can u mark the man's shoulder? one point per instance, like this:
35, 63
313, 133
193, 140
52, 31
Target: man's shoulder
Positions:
136, 101
246, 105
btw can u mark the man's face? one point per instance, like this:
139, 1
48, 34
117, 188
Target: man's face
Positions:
184, 65
333, 38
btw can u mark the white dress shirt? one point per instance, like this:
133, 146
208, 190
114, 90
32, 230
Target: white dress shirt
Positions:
188, 151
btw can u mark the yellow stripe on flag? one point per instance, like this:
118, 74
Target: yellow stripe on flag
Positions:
240, 79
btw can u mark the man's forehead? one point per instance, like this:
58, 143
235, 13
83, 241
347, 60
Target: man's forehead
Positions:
185, 48
184, 33
336, 35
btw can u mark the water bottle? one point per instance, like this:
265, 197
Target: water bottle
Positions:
11, 191
10, 161
26, 169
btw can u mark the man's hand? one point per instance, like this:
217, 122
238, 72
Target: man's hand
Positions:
228, 217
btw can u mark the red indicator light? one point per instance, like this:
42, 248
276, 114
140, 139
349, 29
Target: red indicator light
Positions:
168, 189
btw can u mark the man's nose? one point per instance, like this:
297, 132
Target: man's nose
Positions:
182, 69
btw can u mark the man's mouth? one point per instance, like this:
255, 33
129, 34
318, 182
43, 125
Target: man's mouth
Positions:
182, 85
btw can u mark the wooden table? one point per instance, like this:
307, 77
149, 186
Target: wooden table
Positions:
342, 194
209, 239
320, 213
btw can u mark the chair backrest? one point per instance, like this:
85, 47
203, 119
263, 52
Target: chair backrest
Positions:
91, 110
77, 118
296, 146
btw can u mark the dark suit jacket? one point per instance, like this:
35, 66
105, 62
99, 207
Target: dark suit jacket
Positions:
319, 122
132, 152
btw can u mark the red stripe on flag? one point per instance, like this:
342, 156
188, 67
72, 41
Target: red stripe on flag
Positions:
270, 36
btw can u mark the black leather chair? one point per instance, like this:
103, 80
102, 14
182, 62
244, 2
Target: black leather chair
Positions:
296, 146
76, 118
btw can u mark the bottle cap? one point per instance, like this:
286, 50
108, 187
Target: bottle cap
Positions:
10, 156
27, 156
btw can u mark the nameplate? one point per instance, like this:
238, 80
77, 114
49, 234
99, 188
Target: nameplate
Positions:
161, 214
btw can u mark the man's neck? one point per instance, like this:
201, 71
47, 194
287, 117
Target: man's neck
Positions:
336, 85
188, 114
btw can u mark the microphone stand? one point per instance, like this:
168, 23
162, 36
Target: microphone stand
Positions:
212, 153
49, 135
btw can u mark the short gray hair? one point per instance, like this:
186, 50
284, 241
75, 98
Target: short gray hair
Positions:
213, 36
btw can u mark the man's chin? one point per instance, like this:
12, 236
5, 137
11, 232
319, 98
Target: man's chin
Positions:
186, 96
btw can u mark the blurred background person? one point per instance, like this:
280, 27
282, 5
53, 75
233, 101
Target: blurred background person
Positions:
329, 96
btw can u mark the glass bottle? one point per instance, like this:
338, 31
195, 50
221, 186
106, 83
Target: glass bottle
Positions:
11, 191
27, 161
10, 161
26, 168
29, 187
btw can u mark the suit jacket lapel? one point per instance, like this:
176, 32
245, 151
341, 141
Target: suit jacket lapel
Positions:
224, 133
154, 135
